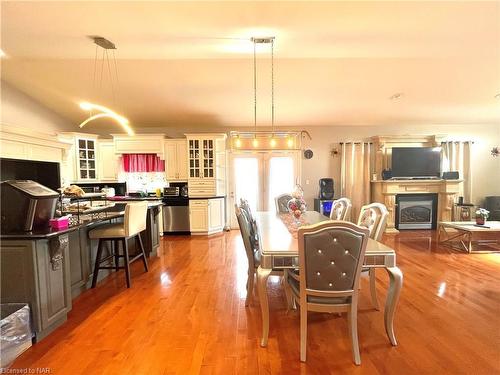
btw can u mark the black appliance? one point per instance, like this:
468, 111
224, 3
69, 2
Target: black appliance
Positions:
44, 172
492, 204
416, 162
326, 188
176, 208
450, 175
91, 187
26, 205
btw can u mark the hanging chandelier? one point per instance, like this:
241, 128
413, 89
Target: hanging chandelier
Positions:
97, 111
264, 139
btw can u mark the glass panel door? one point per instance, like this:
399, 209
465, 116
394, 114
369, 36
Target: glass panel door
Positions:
194, 158
247, 182
280, 178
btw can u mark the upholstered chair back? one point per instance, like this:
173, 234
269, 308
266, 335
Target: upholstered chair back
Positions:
374, 217
281, 202
330, 258
244, 225
135, 218
341, 209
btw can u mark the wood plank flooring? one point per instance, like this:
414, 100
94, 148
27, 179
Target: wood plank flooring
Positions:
187, 316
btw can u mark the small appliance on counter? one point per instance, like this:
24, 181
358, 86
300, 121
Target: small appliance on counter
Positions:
176, 208
26, 205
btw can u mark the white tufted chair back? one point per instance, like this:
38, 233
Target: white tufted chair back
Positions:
341, 209
374, 217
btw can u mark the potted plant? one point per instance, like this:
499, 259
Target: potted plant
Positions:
481, 216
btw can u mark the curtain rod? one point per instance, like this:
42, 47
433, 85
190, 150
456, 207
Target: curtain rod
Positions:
356, 143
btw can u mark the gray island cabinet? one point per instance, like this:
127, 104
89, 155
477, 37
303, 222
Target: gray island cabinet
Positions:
37, 272
47, 269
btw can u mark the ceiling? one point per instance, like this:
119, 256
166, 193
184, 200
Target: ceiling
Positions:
190, 62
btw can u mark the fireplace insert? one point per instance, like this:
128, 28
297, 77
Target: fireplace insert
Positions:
416, 211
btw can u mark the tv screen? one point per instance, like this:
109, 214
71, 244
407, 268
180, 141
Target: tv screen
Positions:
44, 172
416, 162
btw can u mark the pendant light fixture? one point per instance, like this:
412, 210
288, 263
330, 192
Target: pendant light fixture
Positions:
266, 40
97, 111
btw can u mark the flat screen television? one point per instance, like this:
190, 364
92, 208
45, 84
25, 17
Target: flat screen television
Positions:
44, 172
416, 162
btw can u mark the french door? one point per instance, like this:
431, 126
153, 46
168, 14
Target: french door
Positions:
261, 176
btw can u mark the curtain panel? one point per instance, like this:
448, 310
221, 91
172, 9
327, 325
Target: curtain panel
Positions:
356, 165
456, 156
142, 163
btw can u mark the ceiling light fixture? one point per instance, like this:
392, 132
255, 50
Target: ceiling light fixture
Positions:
497, 96
255, 41
2, 54
104, 112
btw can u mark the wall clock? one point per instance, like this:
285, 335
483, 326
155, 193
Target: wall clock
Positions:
308, 154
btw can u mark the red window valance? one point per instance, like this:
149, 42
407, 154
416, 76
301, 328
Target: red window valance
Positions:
142, 163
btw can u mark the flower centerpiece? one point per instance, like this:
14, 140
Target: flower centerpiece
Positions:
297, 205
481, 216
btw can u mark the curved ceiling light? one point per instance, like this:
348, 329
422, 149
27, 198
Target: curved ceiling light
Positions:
105, 112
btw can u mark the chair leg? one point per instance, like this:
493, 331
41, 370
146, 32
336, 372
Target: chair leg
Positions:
250, 282
352, 318
303, 331
127, 261
116, 249
97, 262
288, 292
138, 237
373, 288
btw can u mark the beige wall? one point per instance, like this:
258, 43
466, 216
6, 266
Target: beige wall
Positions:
20, 110
486, 168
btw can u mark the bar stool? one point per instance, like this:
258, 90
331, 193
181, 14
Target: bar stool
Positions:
134, 223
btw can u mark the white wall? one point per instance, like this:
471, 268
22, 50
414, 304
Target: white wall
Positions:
20, 110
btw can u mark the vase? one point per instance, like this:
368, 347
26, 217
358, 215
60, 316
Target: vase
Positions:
480, 220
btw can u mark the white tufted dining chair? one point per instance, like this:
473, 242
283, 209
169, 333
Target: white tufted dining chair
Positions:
373, 216
331, 255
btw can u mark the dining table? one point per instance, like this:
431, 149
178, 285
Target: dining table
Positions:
279, 250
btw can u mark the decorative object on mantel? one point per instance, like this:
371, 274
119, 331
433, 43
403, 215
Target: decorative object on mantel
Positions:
102, 111
297, 205
495, 151
481, 216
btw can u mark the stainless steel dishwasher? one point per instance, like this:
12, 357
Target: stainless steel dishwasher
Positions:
175, 211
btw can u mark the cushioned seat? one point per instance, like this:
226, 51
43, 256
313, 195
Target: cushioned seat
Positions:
108, 231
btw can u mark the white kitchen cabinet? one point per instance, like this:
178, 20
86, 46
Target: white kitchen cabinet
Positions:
175, 160
206, 157
108, 161
139, 144
206, 216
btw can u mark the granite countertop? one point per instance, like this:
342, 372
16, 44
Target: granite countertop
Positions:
118, 210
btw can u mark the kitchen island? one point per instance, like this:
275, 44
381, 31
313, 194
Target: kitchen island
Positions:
48, 268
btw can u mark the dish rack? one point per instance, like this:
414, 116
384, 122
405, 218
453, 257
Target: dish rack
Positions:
90, 206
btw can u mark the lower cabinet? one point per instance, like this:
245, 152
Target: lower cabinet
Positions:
206, 216
37, 272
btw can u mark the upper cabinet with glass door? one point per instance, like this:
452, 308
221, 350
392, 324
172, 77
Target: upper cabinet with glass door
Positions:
86, 162
206, 164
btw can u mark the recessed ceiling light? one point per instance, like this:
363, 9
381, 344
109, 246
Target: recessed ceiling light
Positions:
397, 95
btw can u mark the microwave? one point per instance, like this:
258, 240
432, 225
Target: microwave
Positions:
171, 191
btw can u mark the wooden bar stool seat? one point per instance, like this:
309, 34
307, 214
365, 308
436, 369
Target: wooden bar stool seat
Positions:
134, 223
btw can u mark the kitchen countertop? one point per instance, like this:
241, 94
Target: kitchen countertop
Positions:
124, 198
211, 197
46, 233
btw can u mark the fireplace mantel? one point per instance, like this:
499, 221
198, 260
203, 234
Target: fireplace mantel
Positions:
385, 192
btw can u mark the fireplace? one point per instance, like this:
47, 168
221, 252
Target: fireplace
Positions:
416, 211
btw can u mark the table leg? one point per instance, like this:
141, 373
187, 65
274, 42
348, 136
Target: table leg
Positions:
395, 284
262, 276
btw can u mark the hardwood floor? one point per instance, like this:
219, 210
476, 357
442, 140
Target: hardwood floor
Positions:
187, 316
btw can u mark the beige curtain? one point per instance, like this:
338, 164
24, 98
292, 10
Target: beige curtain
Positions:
456, 156
355, 174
